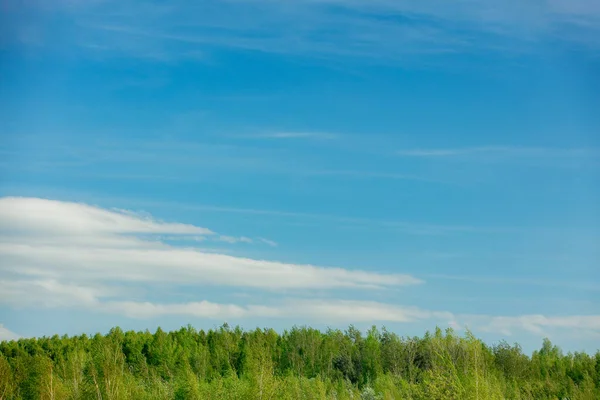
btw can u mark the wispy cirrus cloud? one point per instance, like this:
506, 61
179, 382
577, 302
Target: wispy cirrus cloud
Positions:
216, 238
381, 30
234, 239
407, 227
411, 228
268, 242
357, 174
293, 135
500, 151
285, 135
507, 280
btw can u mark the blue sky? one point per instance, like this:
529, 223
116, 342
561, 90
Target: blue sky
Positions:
327, 162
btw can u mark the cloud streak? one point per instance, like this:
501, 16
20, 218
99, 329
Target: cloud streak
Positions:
233, 239
293, 135
376, 30
84, 243
539, 324
497, 280
500, 151
328, 311
323, 311
53, 294
268, 242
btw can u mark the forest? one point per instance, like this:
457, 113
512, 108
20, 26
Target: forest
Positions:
301, 363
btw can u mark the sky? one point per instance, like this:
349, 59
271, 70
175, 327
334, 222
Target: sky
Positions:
306, 162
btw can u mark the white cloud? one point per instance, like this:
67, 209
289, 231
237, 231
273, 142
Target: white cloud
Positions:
350, 311
50, 217
164, 263
80, 243
94, 298
325, 311
51, 294
201, 309
95, 259
5, 334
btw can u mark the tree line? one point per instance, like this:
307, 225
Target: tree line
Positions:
301, 363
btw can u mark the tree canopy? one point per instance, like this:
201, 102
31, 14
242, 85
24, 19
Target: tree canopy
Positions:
301, 363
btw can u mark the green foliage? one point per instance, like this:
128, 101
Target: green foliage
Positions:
302, 363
